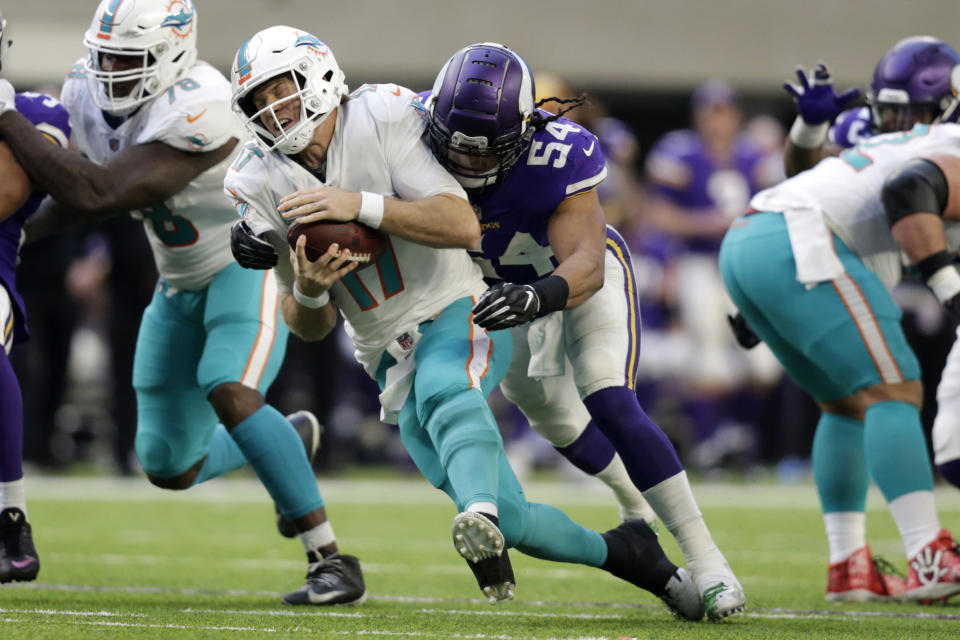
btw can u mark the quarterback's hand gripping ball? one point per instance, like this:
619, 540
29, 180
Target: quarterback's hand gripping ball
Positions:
365, 244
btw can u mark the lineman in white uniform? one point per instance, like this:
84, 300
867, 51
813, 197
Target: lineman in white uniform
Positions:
158, 130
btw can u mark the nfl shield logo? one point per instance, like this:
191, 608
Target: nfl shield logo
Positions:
405, 341
114, 144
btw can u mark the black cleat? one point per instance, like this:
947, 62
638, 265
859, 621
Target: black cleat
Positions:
309, 429
336, 579
634, 555
18, 557
479, 541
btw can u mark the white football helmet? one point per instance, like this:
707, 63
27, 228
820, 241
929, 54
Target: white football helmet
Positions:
313, 69
163, 33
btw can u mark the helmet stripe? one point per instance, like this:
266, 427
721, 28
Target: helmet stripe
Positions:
106, 22
243, 65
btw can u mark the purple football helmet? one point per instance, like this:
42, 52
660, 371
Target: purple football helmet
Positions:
480, 110
915, 82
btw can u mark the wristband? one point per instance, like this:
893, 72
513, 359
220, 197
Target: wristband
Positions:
808, 136
371, 209
945, 283
310, 302
553, 292
933, 263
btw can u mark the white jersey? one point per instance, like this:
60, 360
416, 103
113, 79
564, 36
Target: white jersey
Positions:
190, 232
847, 189
377, 146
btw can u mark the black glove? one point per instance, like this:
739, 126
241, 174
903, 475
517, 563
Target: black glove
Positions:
249, 250
506, 305
742, 331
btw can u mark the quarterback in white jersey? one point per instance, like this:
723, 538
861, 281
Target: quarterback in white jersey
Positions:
810, 267
322, 155
157, 131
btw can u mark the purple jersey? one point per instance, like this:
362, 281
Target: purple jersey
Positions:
51, 118
683, 172
562, 160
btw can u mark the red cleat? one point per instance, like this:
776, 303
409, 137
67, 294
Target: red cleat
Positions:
935, 571
862, 578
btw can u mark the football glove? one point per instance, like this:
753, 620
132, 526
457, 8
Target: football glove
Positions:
8, 97
816, 100
506, 305
745, 336
851, 126
250, 250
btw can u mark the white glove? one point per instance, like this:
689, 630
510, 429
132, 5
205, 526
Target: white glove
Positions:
8, 97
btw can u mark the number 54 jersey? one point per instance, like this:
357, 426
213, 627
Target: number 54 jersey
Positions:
190, 232
377, 146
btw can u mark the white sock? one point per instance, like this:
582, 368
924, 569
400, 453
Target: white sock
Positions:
320, 536
916, 516
632, 504
674, 504
484, 507
13, 494
846, 532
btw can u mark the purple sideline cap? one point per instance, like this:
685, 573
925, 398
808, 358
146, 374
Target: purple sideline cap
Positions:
714, 92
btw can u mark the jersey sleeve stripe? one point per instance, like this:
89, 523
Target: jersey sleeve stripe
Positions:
53, 133
588, 182
263, 345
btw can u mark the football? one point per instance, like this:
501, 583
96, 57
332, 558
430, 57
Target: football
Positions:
365, 244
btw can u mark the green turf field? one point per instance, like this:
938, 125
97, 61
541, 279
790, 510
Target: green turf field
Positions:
121, 559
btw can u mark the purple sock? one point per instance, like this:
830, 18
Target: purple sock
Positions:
645, 450
951, 471
591, 452
11, 423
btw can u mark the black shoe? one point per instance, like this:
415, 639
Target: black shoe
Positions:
336, 579
18, 557
309, 429
634, 555
479, 541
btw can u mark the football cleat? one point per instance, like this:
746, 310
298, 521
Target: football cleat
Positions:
478, 539
18, 557
309, 429
634, 555
935, 571
721, 591
862, 578
336, 579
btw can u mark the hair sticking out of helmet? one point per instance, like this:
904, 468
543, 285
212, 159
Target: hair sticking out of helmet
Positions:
481, 113
285, 84
138, 49
916, 81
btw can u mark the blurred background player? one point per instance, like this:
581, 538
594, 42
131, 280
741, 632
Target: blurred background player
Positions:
322, 156
916, 81
821, 244
700, 179
159, 124
18, 200
563, 282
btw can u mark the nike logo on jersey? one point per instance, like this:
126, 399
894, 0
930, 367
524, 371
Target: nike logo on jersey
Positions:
191, 118
589, 152
397, 92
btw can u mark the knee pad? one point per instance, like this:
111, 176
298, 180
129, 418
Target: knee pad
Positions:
463, 419
157, 457
946, 431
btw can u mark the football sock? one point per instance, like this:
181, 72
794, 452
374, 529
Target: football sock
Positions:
223, 456
846, 532
632, 504
486, 508
272, 447
674, 503
840, 465
13, 494
318, 537
645, 449
916, 516
896, 450
11, 423
468, 444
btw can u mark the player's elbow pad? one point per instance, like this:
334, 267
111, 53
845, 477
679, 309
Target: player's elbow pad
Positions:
919, 186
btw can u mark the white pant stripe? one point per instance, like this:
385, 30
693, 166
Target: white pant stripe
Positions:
866, 322
266, 336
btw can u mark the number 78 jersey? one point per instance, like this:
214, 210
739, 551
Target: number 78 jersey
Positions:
562, 160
